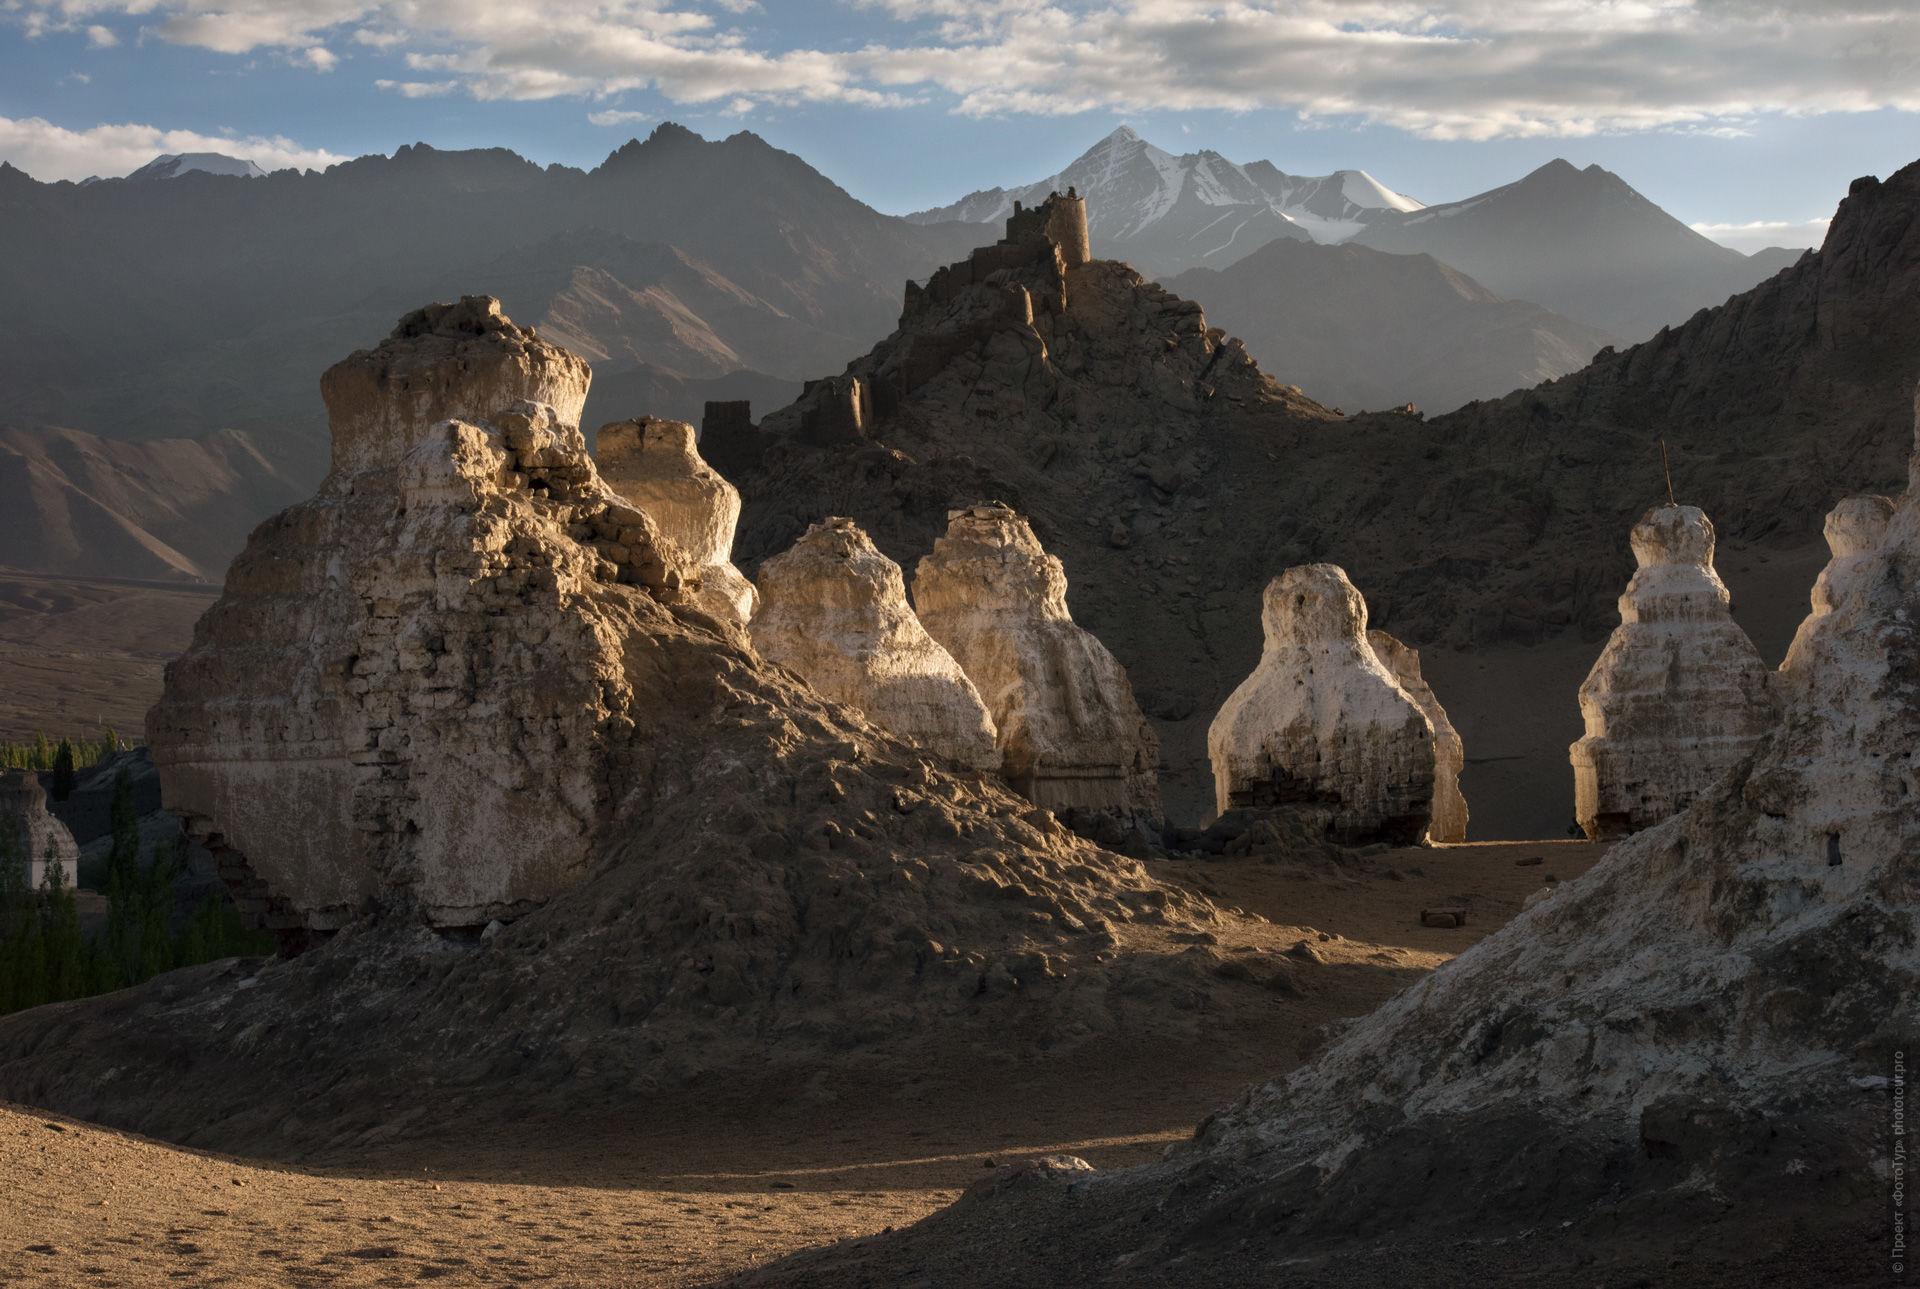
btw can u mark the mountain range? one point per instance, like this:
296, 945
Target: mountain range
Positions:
1163, 213
1582, 243
1359, 328
211, 300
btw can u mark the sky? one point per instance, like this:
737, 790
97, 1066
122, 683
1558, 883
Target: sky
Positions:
1744, 118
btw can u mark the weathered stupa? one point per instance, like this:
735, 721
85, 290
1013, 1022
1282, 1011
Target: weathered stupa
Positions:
1854, 530
1449, 752
1679, 693
1322, 723
834, 609
1071, 734
26, 821
655, 464
425, 680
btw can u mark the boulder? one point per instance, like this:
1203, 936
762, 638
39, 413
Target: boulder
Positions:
433, 681
24, 817
1449, 753
1322, 723
1678, 695
1071, 734
655, 464
834, 609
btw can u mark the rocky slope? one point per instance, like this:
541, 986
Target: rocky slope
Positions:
1690, 1061
1359, 328
1174, 480
81, 506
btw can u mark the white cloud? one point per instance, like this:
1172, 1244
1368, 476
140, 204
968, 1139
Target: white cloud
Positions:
319, 57
419, 89
101, 37
1761, 233
616, 117
48, 152
1448, 69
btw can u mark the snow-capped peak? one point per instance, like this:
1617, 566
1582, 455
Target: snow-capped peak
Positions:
172, 166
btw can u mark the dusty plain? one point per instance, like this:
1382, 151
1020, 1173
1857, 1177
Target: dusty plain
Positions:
687, 1191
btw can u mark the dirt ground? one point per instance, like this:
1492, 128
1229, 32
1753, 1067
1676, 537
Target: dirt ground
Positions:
684, 1192
78, 655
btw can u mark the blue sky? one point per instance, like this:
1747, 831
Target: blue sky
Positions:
1725, 112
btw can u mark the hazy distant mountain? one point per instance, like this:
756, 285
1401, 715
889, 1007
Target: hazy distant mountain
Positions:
1163, 213
84, 506
180, 163
140, 310
1358, 328
1580, 242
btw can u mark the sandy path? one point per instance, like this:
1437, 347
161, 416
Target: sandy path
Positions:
681, 1192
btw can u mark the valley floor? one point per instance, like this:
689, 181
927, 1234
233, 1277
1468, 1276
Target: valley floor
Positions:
684, 1192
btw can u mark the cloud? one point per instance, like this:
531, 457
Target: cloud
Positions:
49, 152
101, 37
419, 89
615, 117
1444, 69
319, 57
1761, 233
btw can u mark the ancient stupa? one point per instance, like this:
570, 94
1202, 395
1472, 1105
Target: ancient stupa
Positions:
1854, 530
655, 464
1449, 752
43, 839
1322, 723
834, 609
1679, 693
433, 679
1071, 734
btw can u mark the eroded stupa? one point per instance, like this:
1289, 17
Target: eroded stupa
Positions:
1322, 723
1678, 695
1449, 752
425, 681
1071, 734
27, 822
1854, 531
655, 464
834, 609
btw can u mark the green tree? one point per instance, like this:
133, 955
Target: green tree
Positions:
42, 752
62, 786
19, 929
62, 948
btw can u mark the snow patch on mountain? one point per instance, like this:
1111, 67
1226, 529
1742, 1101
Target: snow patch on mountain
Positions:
172, 166
1156, 209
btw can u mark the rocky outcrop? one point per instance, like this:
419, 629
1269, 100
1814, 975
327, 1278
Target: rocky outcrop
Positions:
422, 682
1321, 724
834, 609
655, 464
43, 839
1449, 753
1678, 695
1071, 736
